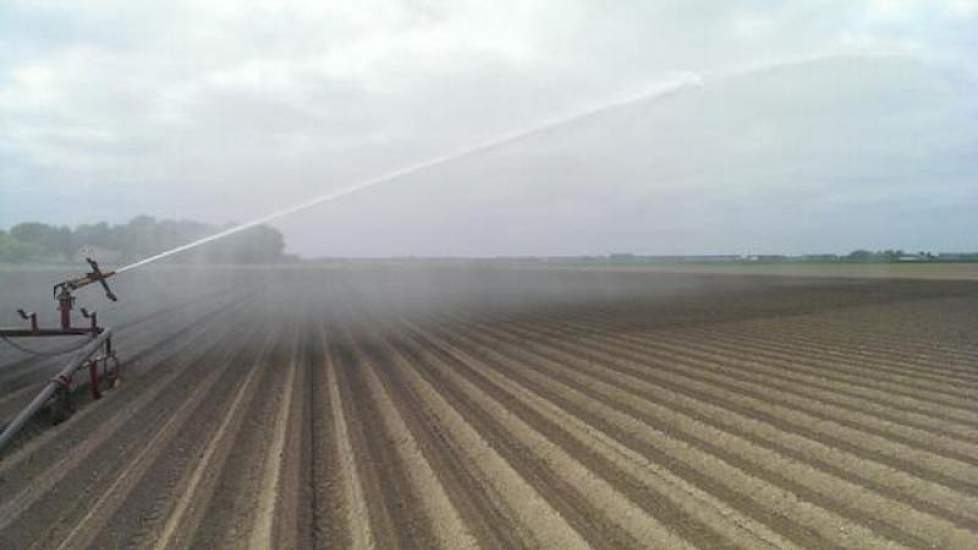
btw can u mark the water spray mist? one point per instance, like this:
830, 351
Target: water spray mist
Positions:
684, 82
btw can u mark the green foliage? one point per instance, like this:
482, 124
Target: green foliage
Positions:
143, 236
48, 240
14, 251
860, 255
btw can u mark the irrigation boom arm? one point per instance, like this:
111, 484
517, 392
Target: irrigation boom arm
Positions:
92, 353
96, 275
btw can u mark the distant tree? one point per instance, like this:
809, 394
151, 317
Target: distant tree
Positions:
261, 244
48, 240
99, 234
141, 237
892, 255
860, 255
13, 250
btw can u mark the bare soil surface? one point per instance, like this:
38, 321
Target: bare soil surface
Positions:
452, 407
966, 271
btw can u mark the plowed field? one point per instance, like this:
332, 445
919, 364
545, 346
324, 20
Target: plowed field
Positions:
493, 408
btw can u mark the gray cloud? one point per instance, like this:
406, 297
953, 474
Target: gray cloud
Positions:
222, 112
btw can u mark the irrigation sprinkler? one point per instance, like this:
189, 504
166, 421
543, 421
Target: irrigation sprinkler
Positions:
93, 353
63, 291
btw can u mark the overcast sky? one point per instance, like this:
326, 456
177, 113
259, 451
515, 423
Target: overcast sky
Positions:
818, 126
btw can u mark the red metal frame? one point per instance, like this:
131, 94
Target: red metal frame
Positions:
66, 301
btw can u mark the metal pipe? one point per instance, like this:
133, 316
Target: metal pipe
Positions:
65, 303
65, 374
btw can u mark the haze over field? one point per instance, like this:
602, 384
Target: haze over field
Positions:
819, 126
771, 341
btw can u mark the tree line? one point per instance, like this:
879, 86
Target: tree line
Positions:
141, 237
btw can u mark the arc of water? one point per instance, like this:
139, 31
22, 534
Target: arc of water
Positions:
683, 82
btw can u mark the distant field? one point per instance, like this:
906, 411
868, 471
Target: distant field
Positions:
468, 407
910, 270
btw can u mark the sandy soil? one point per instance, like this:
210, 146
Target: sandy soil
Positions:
486, 408
910, 270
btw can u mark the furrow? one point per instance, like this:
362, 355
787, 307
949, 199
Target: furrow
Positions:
232, 510
361, 537
765, 496
585, 501
953, 470
809, 395
85, 529
614, 389
485, 516
148, 503
785, 378
329, 475
448, 529
68, 446
535, 519
195, 492
396, 512
854, 362
866, 334
673, 509
737, 336
268, 496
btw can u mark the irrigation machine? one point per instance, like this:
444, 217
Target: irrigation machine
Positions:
94, 353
